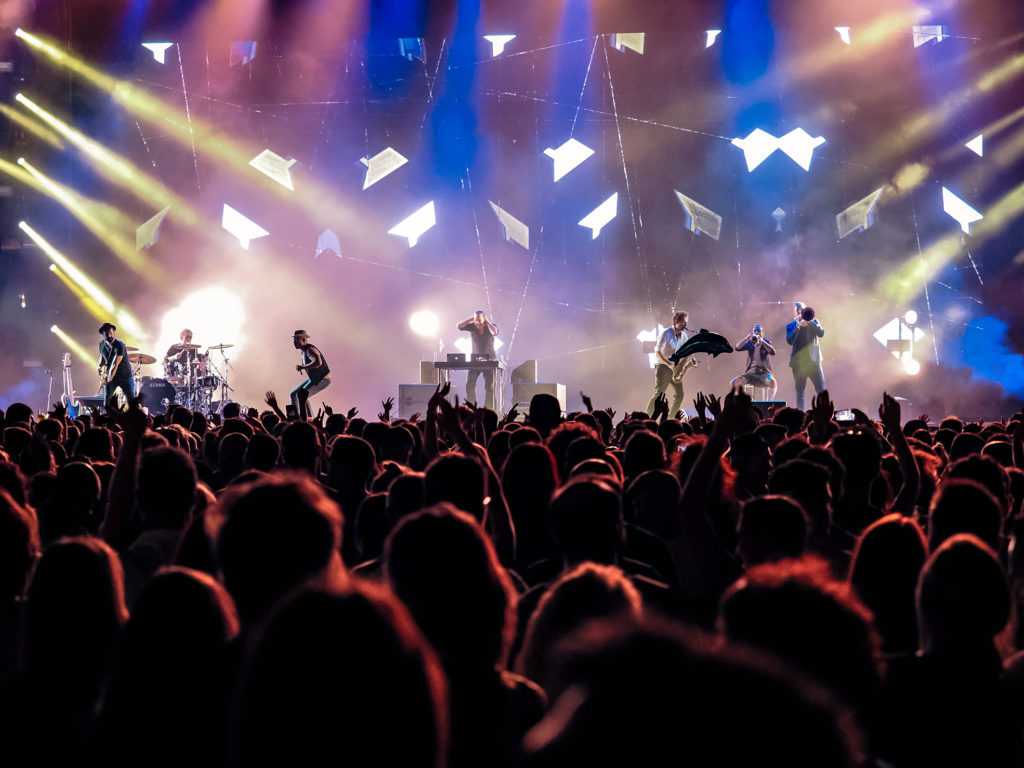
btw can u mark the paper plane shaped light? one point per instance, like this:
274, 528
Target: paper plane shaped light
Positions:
415, 225
327, 243
634, 41
380, 165
925, 34
844, 34
241, 227
513, 229
148, 233
159, 50
411, 48
798, 144
895, 331
275, 167
498, 43
568, 156
977, 145
858, 216
648, 338
700, 219
597, 218
710, 35
243, 52
959, 210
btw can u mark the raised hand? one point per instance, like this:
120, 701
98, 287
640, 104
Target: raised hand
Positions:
700, 404
822, 408
889, 413
327, 409
415, 417
586, 402
715, 405
660, 408
352, 412
385, 415
511, 415
270, 398
610, 412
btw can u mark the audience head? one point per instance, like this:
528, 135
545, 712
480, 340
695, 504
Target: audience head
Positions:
443, 566
275, 534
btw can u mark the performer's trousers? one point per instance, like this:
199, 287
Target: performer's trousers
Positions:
801, 373
471, 378
662, 381
310, 387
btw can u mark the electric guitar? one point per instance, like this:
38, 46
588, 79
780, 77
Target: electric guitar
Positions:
67, 398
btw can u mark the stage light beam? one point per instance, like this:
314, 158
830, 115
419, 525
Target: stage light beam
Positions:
425, 323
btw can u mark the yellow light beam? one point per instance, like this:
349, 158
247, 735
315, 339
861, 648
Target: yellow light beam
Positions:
87, 301
114, 167
103, 220
80, 351
192, 132
19, 173
31, 126
124, 318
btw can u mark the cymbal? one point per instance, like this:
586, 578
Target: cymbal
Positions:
221, 346
132, 349
141, 358
185, 346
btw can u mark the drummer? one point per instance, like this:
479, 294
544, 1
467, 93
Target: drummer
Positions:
180, 355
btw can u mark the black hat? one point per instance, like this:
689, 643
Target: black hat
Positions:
105, 326
301, 333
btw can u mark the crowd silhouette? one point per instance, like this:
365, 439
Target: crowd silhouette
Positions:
530, 589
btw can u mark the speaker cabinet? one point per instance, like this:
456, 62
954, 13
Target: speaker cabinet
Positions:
428, 373
523, 393
413, 398
524, 373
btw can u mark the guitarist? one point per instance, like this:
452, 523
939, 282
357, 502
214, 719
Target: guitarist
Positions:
665, 373
114, 370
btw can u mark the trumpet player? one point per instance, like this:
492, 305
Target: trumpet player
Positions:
759, 362
665, 373
802, 334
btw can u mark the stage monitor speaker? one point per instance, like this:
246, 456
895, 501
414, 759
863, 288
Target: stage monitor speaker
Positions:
524, 373
428, 373
523, 393
766, 405
413, 398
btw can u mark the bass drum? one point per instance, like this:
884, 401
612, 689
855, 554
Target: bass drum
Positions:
156, 395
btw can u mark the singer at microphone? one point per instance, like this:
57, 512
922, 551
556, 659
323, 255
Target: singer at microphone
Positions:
482, 331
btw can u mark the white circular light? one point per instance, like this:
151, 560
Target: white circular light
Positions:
424, 323
911, 366
910, 317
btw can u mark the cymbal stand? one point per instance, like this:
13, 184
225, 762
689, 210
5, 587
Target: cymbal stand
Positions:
222, 375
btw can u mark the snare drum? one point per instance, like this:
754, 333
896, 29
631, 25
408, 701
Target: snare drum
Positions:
209, 382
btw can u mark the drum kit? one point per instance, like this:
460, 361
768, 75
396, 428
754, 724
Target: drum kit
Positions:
190, 378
